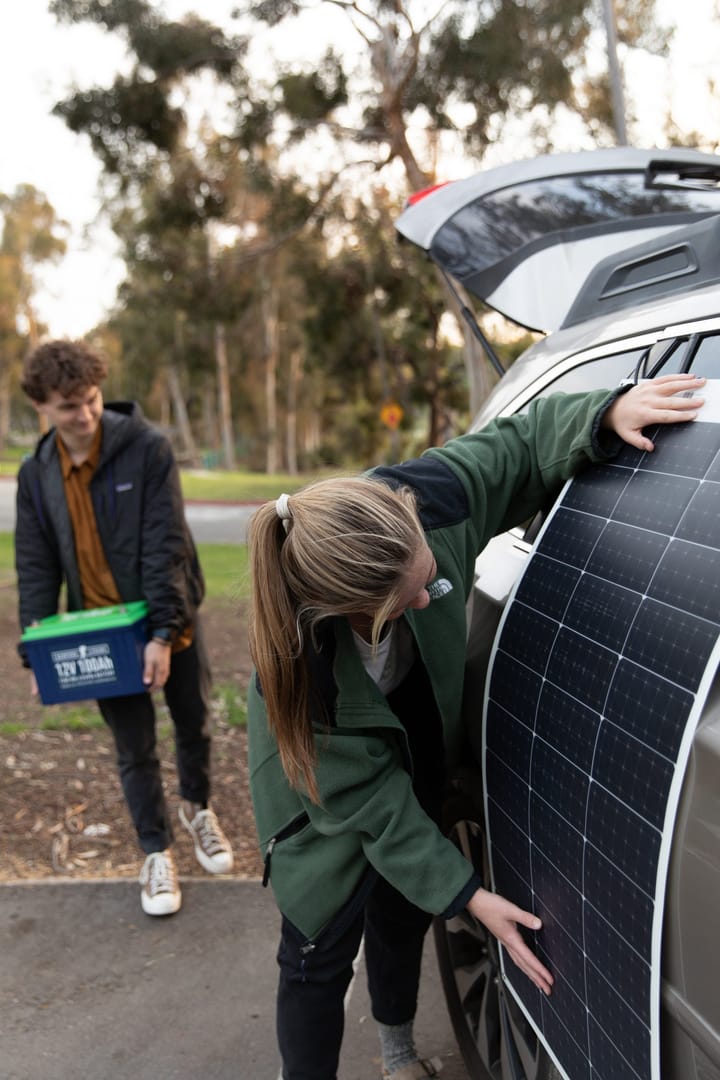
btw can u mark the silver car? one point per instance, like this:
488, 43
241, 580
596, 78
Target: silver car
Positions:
615, 256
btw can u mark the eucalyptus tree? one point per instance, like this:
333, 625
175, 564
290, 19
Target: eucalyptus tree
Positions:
31, 235
426, 70
175, 187
162, 199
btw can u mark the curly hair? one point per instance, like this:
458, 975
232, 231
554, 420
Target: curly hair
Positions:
65, 366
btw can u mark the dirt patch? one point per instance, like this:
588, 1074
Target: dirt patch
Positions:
62, 811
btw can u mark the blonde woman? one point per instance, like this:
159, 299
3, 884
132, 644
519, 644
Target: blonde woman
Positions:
357, 635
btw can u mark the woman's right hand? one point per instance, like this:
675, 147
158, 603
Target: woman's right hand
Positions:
501, 917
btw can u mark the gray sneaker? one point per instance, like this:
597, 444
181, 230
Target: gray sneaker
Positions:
212, 847
160, 894
417, 1070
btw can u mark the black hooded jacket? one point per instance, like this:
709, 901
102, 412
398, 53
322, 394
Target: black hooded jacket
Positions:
140, 518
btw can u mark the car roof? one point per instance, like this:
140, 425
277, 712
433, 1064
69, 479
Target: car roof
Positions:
504, 233
659, 317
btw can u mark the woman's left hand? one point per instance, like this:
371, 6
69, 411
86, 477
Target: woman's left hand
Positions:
653, 402
501, 917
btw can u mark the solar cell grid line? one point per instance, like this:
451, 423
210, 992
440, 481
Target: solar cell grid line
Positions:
600, 668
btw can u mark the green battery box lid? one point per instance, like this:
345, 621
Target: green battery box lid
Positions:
88, 621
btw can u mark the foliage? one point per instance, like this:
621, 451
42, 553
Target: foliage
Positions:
31, 235
497, 61
281, 296
135, 113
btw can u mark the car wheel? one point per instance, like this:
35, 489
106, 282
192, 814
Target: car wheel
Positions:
494, 1037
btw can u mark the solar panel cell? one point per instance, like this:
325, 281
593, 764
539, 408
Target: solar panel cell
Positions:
655, 502
567, 724
637, 776
550, 583
671, 642
602, 611
627, 556
570, 537
649, 707
582, 668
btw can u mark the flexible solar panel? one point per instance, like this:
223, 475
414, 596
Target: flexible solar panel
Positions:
600, 668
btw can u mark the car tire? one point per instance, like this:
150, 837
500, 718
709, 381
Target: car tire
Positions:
495, 1039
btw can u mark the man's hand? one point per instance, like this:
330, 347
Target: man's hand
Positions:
501, 918
157, 664
653, 402
33, 685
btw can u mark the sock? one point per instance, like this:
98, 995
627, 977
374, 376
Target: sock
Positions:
397, 1045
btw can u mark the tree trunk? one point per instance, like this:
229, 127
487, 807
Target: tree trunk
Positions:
394, 62
4, 406
270, 326
292, 396
226, 425
187, 441
209, 414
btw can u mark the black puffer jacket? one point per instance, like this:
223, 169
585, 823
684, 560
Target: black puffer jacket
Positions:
140, 517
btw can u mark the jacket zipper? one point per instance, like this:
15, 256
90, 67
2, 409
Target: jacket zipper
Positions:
290, 829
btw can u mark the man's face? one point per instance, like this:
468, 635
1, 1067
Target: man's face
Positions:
76, 417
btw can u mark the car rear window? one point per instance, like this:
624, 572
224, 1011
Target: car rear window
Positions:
494, 226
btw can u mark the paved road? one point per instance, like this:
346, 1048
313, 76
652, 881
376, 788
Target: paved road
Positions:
92, 989
213, 523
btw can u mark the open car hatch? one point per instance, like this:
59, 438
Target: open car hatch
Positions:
523, 237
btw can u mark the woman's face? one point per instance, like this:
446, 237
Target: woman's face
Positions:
420, 573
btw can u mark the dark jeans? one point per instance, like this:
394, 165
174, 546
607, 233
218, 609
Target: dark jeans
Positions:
132, 721
314, 976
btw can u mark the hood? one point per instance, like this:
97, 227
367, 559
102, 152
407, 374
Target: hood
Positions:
524, 237
116, 431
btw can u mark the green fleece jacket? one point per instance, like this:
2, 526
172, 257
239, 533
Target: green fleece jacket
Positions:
473, 488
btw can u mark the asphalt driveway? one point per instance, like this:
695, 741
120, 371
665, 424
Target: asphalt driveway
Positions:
92, 989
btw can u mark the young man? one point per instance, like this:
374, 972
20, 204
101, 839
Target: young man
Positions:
99, 508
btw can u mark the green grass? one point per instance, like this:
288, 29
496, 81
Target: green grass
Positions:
7, 560
224, 566
232, 705
241, 486
71, 718
208, 484
226, 571
12, 727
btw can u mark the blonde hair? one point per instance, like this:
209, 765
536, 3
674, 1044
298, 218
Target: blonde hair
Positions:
344, 549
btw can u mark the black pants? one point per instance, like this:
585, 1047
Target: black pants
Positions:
132, 721
314, 977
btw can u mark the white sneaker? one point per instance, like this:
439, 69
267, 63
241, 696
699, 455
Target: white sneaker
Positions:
160, 894
212, 847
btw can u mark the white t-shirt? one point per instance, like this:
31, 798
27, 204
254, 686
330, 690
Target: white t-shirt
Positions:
392, 660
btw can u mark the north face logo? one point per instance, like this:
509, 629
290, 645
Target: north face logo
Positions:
439, 587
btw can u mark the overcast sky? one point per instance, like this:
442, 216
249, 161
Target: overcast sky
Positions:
41, 60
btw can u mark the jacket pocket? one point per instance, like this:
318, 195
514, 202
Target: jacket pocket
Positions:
285, 833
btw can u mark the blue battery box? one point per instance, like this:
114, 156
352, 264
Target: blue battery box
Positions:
96, 653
